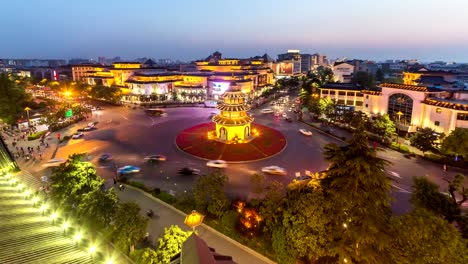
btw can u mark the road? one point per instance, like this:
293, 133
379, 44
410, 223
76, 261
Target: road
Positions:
130, 135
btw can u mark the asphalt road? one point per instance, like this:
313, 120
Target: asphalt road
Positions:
130, 135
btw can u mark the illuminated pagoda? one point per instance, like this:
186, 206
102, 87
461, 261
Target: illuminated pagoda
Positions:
233, 122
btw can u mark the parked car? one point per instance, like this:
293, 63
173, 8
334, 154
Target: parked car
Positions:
189, 171
105, 157
88, 128
77, 135
128, 170
154, 158
305, 132
54, 163
276, 170
217, 164
267, 111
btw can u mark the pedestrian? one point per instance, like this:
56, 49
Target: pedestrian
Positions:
445, 167
47, 144
115, 180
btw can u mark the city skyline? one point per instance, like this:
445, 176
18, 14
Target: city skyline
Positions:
423, 30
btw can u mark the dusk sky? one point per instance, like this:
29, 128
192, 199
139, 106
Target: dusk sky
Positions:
427, 30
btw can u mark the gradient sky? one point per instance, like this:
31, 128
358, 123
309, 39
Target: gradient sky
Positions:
427, 30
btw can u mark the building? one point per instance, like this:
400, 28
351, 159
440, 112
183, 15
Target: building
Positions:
433, 79
286, 60
345, 94
196, 251
81, 71
233, 122
342, 72
307, 63
413, 106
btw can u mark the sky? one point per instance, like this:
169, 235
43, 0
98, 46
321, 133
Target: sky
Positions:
427, 30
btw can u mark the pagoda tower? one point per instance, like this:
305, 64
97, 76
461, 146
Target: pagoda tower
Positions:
233, 122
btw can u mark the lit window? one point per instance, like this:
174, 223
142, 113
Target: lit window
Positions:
439, 110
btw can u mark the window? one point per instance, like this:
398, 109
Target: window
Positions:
359, 103
367, 96
400, 108
436, 123
438, 110
341, 93
325, 92
463, 117
367, 105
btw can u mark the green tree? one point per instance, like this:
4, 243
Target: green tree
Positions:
306, 232
209, 195
271, 206
423, 238
358, 192
324, 75
170, 244
97, 209
12, 99
424, 139
328, 108
383, 126
257, 184
364, 79
72, 180
379, 75
128, 226
456, 143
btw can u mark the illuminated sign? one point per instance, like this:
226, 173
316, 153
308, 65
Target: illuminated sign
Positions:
220, 87
55, 76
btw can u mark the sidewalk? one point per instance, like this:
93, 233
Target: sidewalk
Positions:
165, 216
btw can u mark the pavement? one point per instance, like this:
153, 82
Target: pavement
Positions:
166, 215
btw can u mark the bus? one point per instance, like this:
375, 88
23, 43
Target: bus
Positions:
154, 112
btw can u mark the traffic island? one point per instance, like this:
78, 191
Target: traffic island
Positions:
197, 142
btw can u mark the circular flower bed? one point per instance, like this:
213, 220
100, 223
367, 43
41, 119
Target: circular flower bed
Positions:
195, 141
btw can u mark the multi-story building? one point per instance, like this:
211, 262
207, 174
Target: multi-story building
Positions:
307, 64
81, 71
292, 57
342, 72
434, 79
345, 94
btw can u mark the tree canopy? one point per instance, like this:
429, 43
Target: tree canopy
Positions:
456, 142
12, 99
128, 226
209, 195
424, 139
383, 126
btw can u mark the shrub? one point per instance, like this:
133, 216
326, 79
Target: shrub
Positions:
166, 197
65, 138
399, 147
36, 135
138, 185
156, 191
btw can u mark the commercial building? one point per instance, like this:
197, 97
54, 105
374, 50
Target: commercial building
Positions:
342, 72
288, 63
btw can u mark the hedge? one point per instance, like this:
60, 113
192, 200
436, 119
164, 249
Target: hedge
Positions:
36, 135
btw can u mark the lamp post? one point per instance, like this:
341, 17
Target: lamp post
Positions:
194, 219
398, 127
27, 109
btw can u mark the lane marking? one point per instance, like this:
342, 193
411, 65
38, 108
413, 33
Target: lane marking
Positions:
400, 189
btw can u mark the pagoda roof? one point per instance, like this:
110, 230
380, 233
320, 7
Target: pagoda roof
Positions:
233, 108
232, 121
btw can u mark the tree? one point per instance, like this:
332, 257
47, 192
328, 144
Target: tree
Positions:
379, 75
170, 244
72, 180
358, 192
97, 209
12, 99
305, 226
271, 206
364, 79
128, 226
456, 143
324, 75
423, 238
424, 139
383, 126
209, 195
328, 107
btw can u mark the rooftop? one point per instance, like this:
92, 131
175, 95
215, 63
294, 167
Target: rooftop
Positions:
452, 104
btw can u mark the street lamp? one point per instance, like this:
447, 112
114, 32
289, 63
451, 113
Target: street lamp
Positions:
27, 109
398, 128
194, 219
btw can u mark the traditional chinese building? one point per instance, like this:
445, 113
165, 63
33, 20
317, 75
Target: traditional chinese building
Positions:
233, 122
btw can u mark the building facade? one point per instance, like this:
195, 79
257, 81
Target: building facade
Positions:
342, 72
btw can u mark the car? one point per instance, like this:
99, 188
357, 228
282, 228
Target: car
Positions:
189, 171
88, 128
54, 163
305, 132
288, 119
77, 135
91, 124
105, 157
302, 178
154, 158
217, 164
128, 170
276, 170
284, 115
267, 111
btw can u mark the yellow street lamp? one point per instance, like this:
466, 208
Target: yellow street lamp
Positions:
398, 128
27, 109
194, 219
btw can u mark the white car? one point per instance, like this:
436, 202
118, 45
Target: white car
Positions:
54, 163
305, 132
217, 164
267, 111
284, 115
77, 135
274, 170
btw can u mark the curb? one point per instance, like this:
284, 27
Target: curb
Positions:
323, 132
245, 248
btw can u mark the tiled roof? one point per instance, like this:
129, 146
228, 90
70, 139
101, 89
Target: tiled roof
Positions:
446, 104
342, 86
405, 87
371, 92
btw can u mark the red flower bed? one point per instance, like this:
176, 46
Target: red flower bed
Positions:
195, 141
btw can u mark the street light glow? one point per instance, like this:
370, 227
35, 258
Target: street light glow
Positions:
77, 237
54, 216
43, 207
27, 192
65, 225
20, 186
35, 199
109, 261
92, 249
